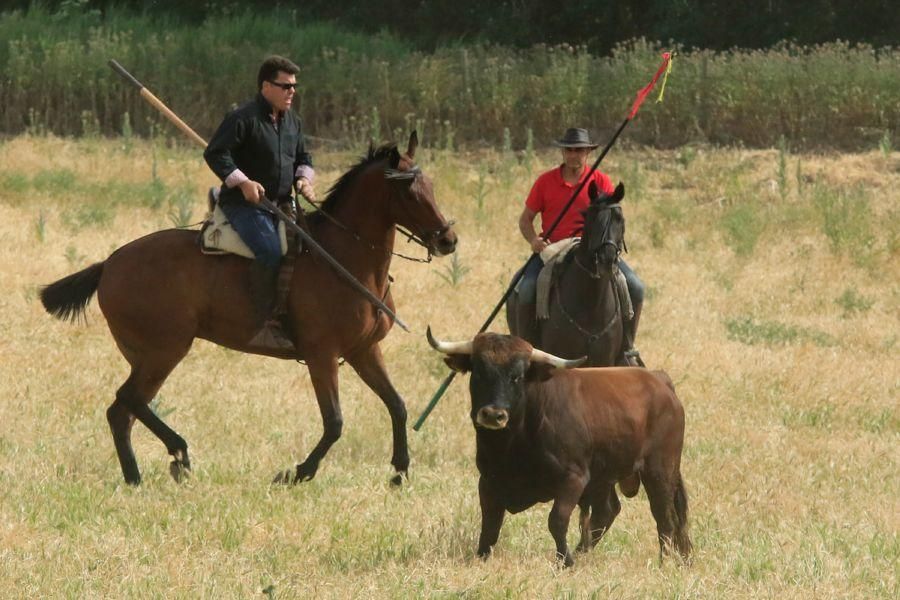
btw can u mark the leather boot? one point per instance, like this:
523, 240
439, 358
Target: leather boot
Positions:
632, 356
271, 334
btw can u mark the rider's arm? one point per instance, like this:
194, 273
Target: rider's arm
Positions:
304, 174
526, 227
218, 155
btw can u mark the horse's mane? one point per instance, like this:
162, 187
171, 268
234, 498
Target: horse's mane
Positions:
339, 188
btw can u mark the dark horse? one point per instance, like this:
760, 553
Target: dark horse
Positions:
585, 310
159, 292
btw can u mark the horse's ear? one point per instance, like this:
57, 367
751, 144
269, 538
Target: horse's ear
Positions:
592, 191
371, 147
413, 144
395, 158
619, 193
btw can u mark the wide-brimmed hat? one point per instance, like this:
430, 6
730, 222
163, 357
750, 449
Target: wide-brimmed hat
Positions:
576, 137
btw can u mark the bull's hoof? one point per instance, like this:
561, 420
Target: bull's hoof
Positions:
565, 560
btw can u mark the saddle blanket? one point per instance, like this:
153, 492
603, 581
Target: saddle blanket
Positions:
554, 255
217, 236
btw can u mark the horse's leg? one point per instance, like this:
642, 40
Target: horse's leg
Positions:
132, 401
323, 374
369, 364
120, 423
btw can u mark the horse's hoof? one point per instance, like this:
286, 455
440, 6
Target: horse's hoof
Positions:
305, 472
397, 480
283, 478
179, 471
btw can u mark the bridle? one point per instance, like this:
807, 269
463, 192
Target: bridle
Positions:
593, 336
619, 246
424, 238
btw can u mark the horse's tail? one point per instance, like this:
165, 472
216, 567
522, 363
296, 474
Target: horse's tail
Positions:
67, 298
682, 531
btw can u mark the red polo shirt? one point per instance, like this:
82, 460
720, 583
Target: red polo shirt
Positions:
549, 195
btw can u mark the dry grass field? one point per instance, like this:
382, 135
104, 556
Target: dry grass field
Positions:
773, 302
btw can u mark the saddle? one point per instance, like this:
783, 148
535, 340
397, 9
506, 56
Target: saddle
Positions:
554, 256
217, 236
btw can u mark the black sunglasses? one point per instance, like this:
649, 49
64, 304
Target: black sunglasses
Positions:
284, 86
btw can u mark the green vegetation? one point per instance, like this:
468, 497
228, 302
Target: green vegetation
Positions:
846, 220
853, 302
454, 272
355, 86
748, 330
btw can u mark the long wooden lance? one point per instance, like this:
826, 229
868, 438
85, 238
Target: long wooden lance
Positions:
641, 96
265, 202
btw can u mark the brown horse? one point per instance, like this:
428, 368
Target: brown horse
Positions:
159, 293
585, 312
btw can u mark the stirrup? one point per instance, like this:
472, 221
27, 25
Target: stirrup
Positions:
633, 358
272, 335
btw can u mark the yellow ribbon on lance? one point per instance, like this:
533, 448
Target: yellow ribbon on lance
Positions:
662, 88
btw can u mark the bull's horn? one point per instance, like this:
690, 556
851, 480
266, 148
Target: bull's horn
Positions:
561, 363
448, 347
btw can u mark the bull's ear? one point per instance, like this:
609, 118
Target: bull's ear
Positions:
461, 363
538, 371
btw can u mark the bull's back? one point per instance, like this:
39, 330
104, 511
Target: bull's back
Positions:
624, 406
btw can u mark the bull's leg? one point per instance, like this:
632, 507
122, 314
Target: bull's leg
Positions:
558, 522
369, 364
584, 522
661, 492
604, 510
492, 513
323, 373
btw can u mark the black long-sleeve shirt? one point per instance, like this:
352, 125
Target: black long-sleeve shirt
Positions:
249, 141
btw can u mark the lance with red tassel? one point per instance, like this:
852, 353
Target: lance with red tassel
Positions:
665, 67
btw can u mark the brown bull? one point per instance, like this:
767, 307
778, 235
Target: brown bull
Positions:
546, 433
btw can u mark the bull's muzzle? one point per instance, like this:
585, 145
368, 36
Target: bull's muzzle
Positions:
492, 418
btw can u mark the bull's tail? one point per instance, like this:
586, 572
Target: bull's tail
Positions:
682, 536
67, 298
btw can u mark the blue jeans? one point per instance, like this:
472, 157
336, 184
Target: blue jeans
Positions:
527, 287
635, 285
258, 229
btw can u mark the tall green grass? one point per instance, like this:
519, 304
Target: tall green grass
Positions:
354, 86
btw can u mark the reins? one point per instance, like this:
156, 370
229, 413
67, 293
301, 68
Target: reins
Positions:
421, 240
591, 336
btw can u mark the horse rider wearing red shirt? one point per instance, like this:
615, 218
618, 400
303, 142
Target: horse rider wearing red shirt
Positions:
548, 197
